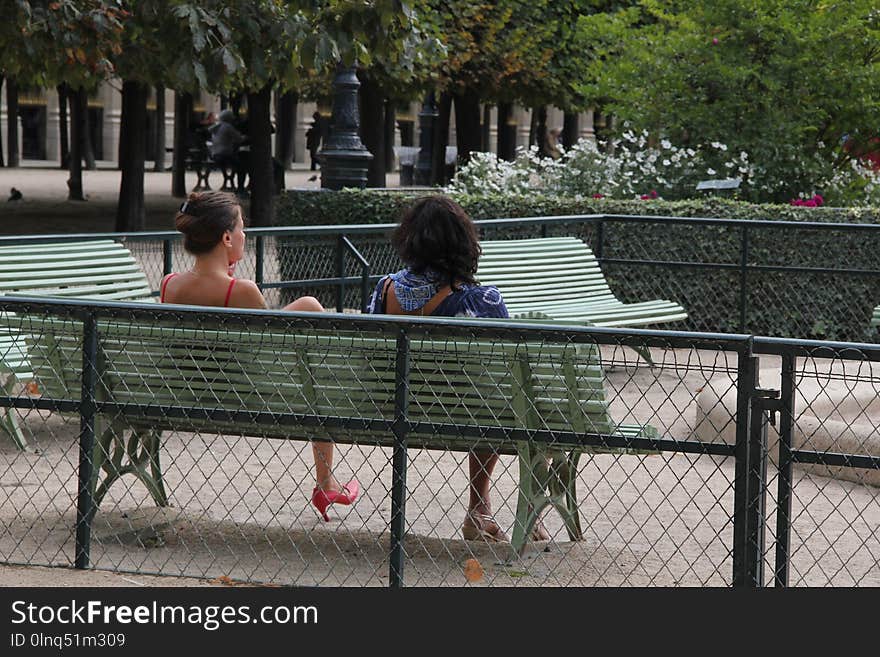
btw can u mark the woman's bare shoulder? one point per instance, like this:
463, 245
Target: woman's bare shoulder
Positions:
246, 294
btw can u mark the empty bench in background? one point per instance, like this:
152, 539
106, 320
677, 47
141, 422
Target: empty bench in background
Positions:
205, 371
558, 278
99, 270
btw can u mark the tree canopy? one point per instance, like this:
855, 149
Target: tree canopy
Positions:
787, 81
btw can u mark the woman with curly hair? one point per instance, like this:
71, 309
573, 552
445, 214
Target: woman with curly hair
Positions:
438, 243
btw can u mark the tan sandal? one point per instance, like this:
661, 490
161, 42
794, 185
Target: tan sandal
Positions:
539, 532
482, 527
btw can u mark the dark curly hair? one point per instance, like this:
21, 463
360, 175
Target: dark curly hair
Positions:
203, 219
436, 234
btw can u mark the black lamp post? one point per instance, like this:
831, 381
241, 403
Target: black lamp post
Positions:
344, 158
427, 123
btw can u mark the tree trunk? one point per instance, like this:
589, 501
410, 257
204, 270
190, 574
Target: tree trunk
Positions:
285, 128
486, 132
570, 129
260, 133
14, 158
390, 127
74, 183
441, 139
1, 136
63, 95
87, 152
178, 157
373, 127
468, 136
506, 132
538, 135
159, 147
132, 154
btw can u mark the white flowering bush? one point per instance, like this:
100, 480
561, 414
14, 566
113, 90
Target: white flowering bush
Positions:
635, 167
628, 167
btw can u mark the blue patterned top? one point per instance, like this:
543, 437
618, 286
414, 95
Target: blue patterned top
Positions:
413, 292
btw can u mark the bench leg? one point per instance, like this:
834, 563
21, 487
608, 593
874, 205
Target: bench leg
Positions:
645, 353
566, 480
9, 419
546, 477
139, 456
532, 498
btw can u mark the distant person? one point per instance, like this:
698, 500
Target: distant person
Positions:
314, 136
225, 142
551, 144
213, 229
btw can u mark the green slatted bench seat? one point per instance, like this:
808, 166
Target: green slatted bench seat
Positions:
559, 278
339, 385
98, 269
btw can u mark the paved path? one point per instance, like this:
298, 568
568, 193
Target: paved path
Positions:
44, 207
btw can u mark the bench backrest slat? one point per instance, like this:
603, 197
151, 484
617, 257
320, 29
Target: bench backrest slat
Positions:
541, 269
468, 383
94, 269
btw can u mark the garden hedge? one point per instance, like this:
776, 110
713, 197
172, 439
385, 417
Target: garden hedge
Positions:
802, 304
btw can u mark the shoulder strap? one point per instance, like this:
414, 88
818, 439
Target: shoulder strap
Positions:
427, 309
228, 293
164, 285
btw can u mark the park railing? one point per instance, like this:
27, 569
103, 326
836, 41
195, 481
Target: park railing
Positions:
776, 278
174, 440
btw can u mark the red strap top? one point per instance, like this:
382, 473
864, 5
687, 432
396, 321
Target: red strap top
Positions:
170, 276
164, 285
228, 293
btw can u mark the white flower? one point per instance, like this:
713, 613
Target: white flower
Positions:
666, 144
711, 172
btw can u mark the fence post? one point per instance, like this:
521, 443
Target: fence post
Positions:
784, 483
746, 382
762, 401
85, 501
260, 263
340, 273
743, 278
600, 240
399, 458
167, 258
365, 288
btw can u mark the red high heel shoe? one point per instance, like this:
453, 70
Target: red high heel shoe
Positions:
322, 498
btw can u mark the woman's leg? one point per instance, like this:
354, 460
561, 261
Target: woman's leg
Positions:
478, 522
480, 466
323, 452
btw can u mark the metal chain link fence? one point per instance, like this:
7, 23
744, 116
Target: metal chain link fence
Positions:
187, 442
792, 279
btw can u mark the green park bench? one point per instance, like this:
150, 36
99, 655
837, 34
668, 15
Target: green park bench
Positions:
559, 278
160, 374
98, 269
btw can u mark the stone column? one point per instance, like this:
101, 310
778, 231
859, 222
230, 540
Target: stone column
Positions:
112, 100
53, 138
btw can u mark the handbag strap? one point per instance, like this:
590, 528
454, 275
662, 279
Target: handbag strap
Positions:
427, 309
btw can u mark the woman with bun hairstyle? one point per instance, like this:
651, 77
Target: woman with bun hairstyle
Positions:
213, 229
